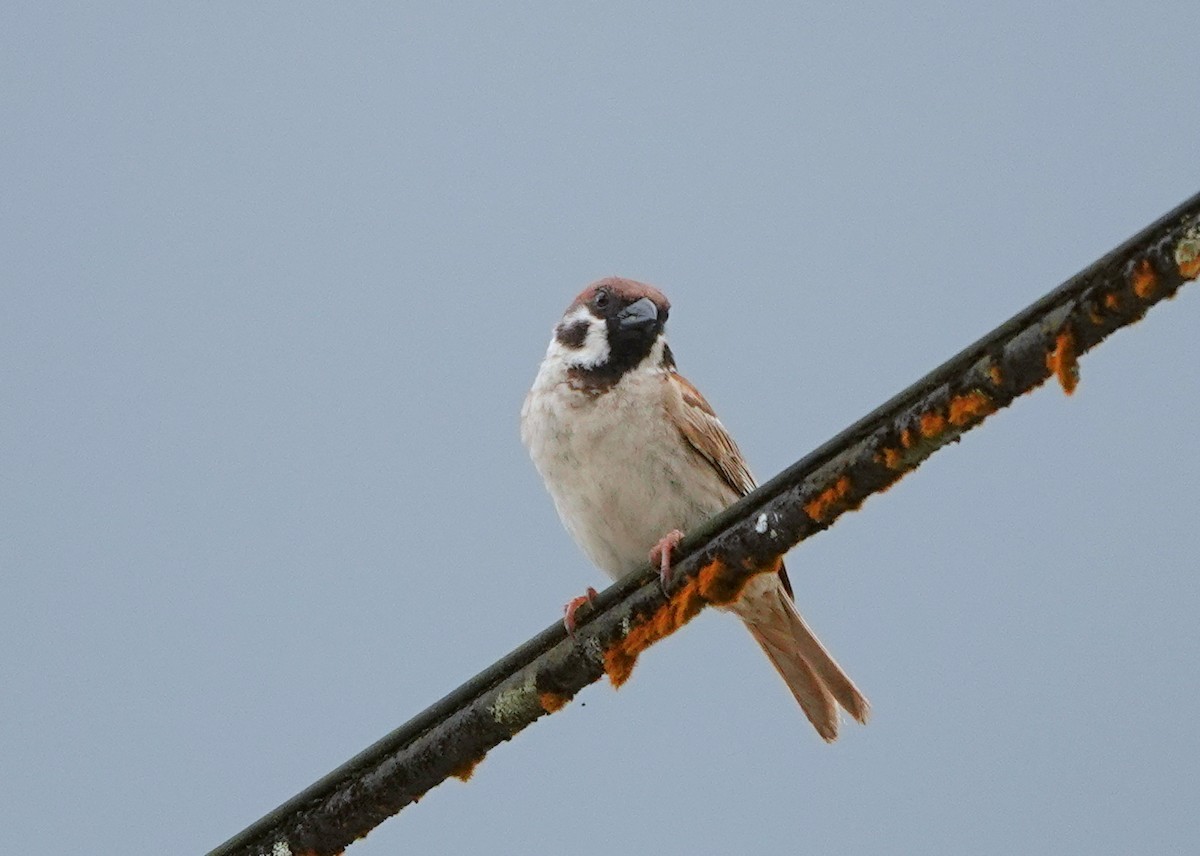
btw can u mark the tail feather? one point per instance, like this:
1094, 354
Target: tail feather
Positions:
813, 676
814, 698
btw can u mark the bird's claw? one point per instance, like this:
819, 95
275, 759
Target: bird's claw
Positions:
572, 606
660, 554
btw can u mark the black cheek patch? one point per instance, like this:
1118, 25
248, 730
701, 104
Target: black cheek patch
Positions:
571, 336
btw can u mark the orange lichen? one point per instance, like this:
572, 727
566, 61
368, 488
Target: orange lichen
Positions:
552, 702
1112, 301
963, 411
716, 583
932, 424
465, 770
720, 587
892, 459
1189, 268
1063, 362
827, 502
621, 656
1144, 280
970, 407
996, 374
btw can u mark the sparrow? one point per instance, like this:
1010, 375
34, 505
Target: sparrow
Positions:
633, 456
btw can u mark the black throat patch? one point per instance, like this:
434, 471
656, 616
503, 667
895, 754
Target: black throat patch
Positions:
626, 352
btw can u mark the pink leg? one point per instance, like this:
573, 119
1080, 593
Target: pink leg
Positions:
573, 605
660, 554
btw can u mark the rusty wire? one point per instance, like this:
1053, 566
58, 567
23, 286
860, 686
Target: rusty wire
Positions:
451, 736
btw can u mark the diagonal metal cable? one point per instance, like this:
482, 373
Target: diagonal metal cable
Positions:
451, 736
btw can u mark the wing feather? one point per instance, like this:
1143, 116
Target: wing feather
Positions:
700, 427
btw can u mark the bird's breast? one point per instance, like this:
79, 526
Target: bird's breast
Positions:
619, 471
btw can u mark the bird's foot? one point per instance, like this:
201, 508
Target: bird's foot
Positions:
573, 605
660, 554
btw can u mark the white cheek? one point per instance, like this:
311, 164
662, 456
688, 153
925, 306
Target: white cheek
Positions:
594, 351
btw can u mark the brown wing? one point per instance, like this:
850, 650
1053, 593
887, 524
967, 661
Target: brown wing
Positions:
699, 425
702, 429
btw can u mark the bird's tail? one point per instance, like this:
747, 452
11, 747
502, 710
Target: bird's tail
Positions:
813, 676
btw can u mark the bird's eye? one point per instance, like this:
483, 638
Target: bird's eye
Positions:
601, 299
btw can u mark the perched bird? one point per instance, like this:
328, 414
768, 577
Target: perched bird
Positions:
633, 456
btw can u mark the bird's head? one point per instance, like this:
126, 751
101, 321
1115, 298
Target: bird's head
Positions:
613, 326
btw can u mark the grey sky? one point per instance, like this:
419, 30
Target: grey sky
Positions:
274, 280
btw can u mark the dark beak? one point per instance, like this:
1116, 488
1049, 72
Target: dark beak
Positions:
638, 316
